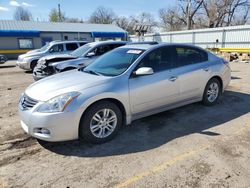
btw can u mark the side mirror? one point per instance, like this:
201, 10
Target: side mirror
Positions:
90, 54
143, 71
51, 50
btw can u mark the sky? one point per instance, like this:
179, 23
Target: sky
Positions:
82, 8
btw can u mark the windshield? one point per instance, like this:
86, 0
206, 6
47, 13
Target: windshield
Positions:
44, 48
114, 62
81, 51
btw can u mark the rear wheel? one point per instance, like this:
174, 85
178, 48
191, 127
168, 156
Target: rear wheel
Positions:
101, 122
212, 92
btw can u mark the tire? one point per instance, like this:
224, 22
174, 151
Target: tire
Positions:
33, 65
90, 129
212, 92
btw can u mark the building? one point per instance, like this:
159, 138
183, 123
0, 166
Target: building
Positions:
233, 37
17, 37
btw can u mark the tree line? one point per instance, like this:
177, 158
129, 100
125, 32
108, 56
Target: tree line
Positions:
186, 14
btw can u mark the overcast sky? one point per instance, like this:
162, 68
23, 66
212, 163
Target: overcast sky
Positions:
82, 8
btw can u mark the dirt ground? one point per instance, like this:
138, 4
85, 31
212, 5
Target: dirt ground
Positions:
192, 146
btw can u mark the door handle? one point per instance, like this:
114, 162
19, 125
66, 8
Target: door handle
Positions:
173, 78
206, 69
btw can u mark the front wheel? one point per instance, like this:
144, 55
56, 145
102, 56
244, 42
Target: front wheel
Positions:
212, 92
33, 65
101, 122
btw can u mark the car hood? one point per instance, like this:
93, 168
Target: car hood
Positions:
30, 55
49, 57
58, 84
33, 51
77, 61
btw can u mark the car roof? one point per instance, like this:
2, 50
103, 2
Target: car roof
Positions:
107, 42
66, 42
161, 44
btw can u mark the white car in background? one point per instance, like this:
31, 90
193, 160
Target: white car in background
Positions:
29, 60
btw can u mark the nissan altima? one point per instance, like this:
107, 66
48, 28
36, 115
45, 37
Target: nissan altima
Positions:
125, 84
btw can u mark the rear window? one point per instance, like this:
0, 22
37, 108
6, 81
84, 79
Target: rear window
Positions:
188, 55
71, 46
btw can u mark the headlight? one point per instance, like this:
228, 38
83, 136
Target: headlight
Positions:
28, 59
59, 103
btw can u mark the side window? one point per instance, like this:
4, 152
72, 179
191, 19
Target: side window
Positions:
102, 50
159, 59
56, 48
113, 46
71, 46
188, 56
82, 43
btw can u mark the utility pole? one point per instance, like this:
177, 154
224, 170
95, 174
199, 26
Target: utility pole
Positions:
188, 6
59, 13
188, 14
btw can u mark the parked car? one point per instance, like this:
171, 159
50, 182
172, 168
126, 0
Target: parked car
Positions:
3, 59
29, 60
123, 85
82, 56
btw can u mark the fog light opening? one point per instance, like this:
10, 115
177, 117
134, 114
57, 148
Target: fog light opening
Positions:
42, 131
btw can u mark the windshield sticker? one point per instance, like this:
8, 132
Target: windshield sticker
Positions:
134, 52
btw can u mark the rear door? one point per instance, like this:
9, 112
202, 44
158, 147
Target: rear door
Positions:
69, 47
192, 69
154, 91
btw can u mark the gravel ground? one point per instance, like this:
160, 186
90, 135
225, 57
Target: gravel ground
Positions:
192, 146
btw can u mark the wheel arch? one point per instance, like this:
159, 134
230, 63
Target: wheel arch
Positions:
113, 100
219, 79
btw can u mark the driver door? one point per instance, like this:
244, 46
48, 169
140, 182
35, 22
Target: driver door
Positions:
152, 92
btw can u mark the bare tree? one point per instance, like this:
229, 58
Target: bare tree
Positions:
170, 19
144, 18
22, 14
74, 20
125, 23
226, 12
102, 15
189, 9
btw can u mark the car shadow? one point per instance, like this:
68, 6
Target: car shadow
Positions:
7, 66
28, 72
156, 130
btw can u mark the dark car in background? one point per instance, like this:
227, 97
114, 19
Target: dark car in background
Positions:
81, 57
3, 59
29, 60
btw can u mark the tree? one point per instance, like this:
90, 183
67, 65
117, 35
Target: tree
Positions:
22, 14
55, 17
74, 20
189, 9
102, 15
144, 18
226, 12
170, 19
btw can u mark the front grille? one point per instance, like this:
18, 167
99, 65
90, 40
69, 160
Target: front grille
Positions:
27, 102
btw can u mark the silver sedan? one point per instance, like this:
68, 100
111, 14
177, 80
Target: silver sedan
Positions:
123, 85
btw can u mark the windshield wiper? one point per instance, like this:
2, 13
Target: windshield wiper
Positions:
92, 72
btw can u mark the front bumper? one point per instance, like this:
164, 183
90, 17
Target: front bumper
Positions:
62, 126
23, 65
39, 73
